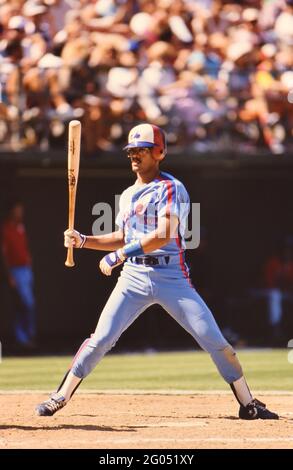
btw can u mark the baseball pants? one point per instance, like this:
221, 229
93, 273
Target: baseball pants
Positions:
137, 288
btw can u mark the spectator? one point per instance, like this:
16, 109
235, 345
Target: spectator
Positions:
18, 263
211, 72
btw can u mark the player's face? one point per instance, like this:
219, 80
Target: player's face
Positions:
142, 159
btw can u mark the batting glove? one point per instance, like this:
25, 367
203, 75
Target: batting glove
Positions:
110, 262
74, 239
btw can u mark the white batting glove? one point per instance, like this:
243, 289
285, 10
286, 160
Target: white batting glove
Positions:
111, 261
74, 239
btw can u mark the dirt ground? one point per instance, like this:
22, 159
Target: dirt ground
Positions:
143, 421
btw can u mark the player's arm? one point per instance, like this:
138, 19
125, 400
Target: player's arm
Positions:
167, 228
109, 242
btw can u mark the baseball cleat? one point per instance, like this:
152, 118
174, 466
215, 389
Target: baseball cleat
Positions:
49, 407
256, 410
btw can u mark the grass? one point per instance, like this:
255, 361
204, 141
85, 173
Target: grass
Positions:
264, 370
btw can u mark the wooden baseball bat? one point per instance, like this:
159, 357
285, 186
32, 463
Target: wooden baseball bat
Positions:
74, 134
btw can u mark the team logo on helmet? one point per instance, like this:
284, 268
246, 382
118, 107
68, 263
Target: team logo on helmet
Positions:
136, 136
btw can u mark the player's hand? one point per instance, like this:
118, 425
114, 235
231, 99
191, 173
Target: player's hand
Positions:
73, 239
110, 262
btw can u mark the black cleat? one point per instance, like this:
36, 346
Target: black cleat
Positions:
49, 407
256, 410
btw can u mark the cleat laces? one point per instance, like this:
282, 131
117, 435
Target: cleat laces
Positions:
55, 403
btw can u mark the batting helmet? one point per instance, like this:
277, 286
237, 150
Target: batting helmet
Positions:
147, 135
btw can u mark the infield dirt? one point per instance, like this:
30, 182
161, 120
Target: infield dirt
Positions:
138, 421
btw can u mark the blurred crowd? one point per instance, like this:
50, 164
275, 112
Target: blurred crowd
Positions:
215, 74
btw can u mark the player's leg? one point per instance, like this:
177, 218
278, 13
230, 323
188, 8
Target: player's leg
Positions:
118, 314
128, 299
186, 306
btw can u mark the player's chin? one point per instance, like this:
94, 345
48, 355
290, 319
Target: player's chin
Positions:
135, 166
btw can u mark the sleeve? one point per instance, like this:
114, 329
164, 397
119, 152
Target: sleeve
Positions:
169, 202
120, 215
119, 220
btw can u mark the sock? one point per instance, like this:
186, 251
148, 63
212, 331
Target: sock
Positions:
241, 391
69, 386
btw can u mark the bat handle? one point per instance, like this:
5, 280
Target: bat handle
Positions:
69, 260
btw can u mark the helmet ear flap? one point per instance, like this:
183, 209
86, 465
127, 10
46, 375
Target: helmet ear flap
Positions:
159, 153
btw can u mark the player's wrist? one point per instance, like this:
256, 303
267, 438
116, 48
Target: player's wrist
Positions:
133, 249
120, 254
83, 239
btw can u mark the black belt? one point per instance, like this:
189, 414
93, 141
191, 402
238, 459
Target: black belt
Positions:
149, 260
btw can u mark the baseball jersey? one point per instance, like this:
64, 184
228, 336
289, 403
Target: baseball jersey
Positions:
140, 207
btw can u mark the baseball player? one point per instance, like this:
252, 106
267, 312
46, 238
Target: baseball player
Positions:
150, 245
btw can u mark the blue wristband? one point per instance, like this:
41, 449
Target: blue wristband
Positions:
133, 249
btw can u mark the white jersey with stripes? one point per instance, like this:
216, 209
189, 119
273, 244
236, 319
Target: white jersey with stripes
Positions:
140, 206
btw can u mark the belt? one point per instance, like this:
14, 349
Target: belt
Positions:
150, 260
